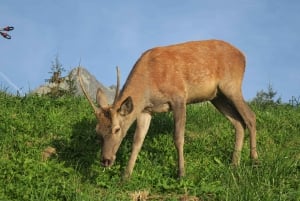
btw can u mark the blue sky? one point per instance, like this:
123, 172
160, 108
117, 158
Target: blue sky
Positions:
103, 34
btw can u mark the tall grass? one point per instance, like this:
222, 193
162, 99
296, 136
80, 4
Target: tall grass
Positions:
30, 125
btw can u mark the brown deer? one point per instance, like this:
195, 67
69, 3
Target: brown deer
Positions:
167, 79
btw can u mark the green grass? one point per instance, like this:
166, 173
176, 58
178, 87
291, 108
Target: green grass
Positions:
28, 125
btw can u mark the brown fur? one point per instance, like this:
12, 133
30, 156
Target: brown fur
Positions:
167, 78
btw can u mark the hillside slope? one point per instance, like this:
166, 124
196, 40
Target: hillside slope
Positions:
49, 151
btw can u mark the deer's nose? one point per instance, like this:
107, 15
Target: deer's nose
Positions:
106, 162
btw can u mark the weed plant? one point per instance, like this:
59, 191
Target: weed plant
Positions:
31, 124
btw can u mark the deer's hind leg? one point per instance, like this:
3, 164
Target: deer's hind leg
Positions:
250, 120
246, 115
225, 106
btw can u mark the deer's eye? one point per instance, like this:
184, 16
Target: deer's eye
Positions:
116, 130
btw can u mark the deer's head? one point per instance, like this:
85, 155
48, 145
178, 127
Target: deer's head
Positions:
112, 121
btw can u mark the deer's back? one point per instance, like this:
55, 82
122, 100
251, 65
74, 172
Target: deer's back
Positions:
192, 70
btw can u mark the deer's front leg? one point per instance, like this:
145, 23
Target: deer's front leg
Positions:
179, 110
143, 123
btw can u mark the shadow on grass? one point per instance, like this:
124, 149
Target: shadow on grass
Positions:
81, 149
161, 124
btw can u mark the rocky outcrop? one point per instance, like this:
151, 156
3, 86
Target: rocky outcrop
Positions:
71, 82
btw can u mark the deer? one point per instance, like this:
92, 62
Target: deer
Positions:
168, 78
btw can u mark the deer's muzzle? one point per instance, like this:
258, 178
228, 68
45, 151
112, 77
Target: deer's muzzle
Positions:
107, 162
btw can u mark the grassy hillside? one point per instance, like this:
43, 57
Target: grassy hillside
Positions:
49, 151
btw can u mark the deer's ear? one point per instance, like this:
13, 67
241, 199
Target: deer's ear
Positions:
126, 107
101, 98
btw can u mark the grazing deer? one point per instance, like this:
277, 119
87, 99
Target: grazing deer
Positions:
167, 79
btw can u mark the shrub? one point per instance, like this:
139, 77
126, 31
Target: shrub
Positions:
264, 98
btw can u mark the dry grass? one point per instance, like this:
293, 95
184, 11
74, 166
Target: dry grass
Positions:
144, 195
48, 152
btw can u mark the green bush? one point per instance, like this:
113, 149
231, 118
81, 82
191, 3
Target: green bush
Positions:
266, 98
